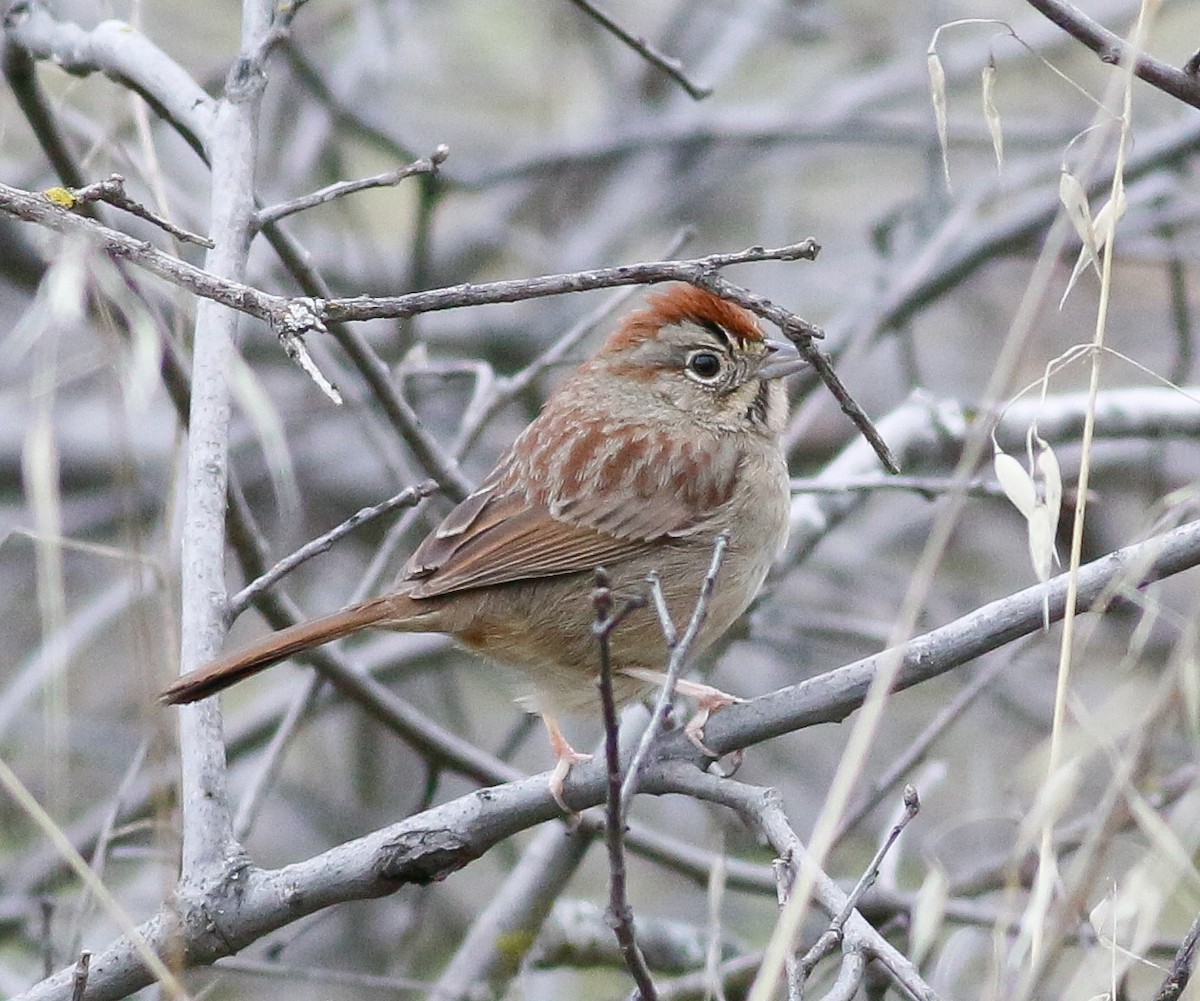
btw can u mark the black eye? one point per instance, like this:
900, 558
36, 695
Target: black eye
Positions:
705, 364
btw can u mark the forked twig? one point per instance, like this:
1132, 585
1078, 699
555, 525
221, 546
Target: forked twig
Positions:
406, 498
679, 654
112, 192
831, 938
620, 914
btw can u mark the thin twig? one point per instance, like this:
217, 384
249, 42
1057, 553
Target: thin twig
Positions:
426, 165
679, 655
803, 334
1112, 48
297, 315
1181, 967
620, 914
670, 66
696, 271
323, 543
659, 601
762, 811
912, 806
293, 317
112, 191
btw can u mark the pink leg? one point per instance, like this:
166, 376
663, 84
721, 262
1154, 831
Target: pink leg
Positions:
565, 757
708, 701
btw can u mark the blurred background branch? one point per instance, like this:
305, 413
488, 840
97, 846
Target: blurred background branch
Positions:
573, 154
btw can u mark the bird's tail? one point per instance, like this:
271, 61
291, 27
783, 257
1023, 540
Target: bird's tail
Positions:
232, 668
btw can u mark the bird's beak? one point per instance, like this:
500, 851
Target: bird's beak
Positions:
783, 359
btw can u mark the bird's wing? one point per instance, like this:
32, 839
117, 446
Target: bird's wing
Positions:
511, 541
577, 502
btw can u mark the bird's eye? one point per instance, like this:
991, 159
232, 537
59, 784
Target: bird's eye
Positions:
705, 365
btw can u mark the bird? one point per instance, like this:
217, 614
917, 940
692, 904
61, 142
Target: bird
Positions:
667, 437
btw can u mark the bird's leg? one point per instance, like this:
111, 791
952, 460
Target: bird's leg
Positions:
565, 756
708, 701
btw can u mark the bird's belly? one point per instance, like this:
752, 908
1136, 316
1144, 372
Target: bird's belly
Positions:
544, 628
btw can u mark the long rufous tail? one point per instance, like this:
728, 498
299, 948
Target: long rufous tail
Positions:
232, 668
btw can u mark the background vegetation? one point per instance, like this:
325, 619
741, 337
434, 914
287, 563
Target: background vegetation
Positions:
566, 151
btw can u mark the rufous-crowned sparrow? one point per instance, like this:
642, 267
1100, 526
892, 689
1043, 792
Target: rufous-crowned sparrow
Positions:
668, 436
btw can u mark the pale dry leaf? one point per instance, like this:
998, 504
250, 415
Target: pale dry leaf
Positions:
1053, 797
1051, 475
1102, 228
937, 93
264, 417
1041, 542
1074, 200
1081, 262
1105, 222
990, 113
929, 912
1016, 483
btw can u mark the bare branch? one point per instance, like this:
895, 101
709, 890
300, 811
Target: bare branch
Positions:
672, 67
1112, 48
112, 191
832, 696
832, 937
123, 55
322, 544
448, 837
680, 651
761, 810
209, 848
1182, 966
297, 314
620, 914
427, 165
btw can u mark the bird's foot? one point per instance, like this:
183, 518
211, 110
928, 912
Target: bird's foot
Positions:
708, 701
565, 758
